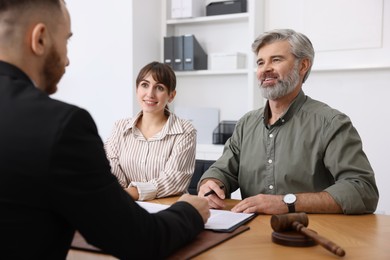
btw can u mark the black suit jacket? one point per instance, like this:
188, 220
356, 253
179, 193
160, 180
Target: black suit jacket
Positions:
55, 179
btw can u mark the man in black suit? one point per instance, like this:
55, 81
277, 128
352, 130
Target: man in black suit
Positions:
54, 175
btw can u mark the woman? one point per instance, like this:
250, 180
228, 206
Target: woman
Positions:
153, 154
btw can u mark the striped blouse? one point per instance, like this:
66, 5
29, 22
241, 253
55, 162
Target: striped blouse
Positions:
159, 167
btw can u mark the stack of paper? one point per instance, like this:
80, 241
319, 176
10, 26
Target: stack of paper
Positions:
220, 220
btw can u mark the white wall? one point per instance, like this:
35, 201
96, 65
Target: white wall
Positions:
99, 75
111, 42
146, 37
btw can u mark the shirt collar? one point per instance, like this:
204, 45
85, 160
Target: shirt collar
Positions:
295, 106
131, 123
171, 127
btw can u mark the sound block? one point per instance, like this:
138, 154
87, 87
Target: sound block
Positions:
292, 238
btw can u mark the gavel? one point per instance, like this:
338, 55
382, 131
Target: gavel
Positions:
299, 222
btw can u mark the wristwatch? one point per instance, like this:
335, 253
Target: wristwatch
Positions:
290, 200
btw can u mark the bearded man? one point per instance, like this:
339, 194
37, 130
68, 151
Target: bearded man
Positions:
296, 153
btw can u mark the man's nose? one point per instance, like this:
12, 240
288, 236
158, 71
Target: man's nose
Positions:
266, 67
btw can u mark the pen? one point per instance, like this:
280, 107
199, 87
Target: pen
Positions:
212, 191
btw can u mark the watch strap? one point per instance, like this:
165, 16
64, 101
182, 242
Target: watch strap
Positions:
291, 208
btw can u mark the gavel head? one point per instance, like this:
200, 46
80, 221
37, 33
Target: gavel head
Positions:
284, 222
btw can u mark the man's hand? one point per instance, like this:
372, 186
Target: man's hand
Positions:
262, 203
216, 198
314, 202
200, 204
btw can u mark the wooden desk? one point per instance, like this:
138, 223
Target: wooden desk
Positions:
363, 237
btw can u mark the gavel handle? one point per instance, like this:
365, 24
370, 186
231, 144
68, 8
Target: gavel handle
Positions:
326, 243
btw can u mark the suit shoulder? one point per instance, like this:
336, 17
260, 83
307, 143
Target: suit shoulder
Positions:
62, 109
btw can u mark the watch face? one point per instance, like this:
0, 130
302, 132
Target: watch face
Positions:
289, 198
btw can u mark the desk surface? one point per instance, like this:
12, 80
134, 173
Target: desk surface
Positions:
361, 236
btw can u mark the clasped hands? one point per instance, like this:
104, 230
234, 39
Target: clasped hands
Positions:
261, 203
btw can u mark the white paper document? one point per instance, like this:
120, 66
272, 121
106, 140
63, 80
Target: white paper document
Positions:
220, 220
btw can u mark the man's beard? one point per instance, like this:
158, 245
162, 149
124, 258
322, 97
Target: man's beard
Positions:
53, 71
282, 87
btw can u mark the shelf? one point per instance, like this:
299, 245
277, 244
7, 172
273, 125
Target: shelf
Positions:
337, 67
225, 33
211, 72
209, 151
210, 19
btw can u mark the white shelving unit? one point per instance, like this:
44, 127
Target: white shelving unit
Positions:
233, 92
209, 151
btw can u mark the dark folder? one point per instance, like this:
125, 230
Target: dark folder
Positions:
204, 241
168, 50
178, 53
195, 58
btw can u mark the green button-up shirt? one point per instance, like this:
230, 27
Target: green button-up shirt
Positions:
311, 148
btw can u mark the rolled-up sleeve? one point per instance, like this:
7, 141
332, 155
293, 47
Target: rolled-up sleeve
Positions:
355, 189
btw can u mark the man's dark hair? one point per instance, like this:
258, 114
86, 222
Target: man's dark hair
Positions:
6, 5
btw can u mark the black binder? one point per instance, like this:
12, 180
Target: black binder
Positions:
178, 53
168, 50
195, 58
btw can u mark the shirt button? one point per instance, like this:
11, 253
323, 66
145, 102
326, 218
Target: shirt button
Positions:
271, 187
269, 161
271, 135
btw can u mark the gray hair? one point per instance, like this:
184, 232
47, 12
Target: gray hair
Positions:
301, 47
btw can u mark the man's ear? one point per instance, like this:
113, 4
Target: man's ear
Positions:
39, 39
305, 65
